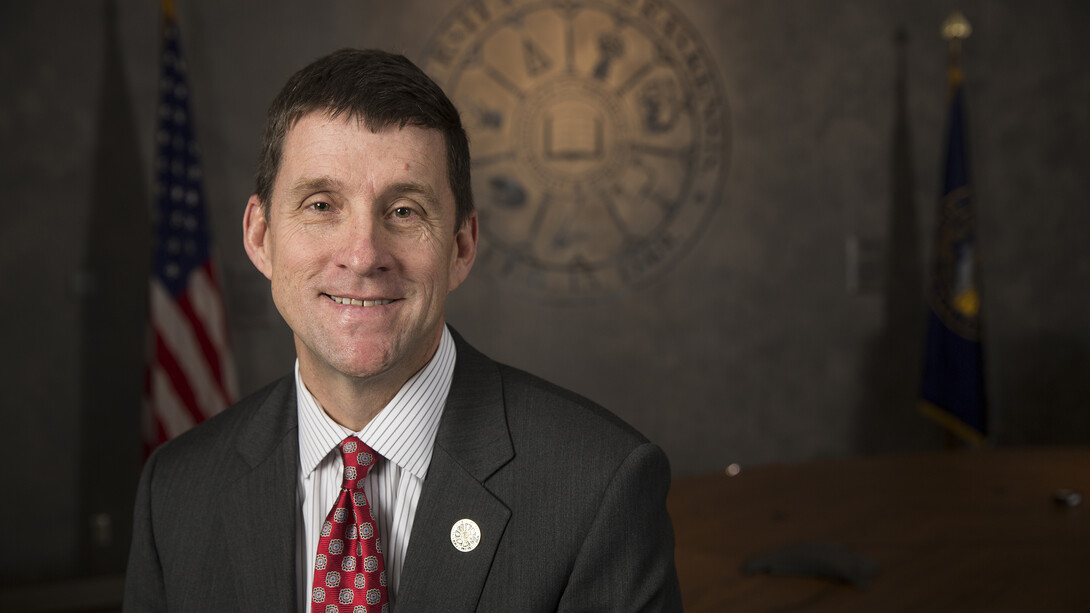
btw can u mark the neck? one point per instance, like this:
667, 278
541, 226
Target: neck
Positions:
354, 401
350, 403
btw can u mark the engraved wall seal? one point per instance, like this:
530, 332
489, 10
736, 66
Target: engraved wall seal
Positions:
599, 135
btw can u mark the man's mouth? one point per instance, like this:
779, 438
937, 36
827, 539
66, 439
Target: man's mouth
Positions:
358, 302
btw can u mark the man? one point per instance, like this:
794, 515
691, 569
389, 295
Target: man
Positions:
467, 485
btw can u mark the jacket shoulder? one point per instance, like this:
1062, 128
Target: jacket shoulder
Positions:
206, 446
554, 413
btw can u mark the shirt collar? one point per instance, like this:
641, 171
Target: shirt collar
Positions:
403, 432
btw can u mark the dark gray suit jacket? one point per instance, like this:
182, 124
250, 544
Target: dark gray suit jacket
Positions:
570, 502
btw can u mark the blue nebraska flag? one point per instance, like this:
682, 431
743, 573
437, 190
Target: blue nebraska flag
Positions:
953, 374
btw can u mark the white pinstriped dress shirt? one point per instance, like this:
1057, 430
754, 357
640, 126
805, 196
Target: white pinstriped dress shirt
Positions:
402, 433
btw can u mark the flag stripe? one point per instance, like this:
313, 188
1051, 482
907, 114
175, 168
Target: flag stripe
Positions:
204, 296
181, 338
171, 388
200, 337
173, 414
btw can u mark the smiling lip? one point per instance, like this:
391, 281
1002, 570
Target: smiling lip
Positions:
358, 302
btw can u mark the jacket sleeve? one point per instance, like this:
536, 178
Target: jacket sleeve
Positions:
626, 563
144, 589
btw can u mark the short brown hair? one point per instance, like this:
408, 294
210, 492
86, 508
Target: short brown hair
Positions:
378, 88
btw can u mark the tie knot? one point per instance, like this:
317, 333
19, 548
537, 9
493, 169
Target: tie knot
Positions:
358, 459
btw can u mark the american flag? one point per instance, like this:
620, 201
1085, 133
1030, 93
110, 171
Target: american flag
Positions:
190, 374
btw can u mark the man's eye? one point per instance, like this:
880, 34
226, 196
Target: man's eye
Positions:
320, 206
403, 212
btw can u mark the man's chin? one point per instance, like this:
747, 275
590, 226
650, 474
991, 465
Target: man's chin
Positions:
345, 363
380, 359
363, 368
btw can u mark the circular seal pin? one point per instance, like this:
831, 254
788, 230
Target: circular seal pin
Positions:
465, 535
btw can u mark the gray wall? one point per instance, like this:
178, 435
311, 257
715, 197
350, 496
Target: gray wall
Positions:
760, 344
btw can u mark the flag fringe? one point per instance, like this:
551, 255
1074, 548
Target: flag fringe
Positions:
964, 431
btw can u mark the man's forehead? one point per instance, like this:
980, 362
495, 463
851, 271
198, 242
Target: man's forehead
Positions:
324, 123
317, 128
314, 146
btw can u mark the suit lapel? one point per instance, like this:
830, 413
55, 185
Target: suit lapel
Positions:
472, 443
261, 544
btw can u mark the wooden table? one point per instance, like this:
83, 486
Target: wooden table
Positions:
952, 531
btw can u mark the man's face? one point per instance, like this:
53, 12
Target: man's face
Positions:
360, 246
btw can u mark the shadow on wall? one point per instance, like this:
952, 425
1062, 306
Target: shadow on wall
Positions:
116, 280
886, 418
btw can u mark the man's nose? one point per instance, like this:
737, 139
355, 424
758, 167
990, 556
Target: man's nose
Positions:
363, 245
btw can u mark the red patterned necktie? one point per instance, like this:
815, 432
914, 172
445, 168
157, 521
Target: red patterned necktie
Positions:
349, 573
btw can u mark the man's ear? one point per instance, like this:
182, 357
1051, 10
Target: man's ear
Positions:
465, 251
255, 236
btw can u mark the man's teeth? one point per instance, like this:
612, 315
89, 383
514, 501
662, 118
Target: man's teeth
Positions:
357, 302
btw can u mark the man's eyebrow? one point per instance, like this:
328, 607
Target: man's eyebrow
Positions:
323, 183
411, 187
315, 184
